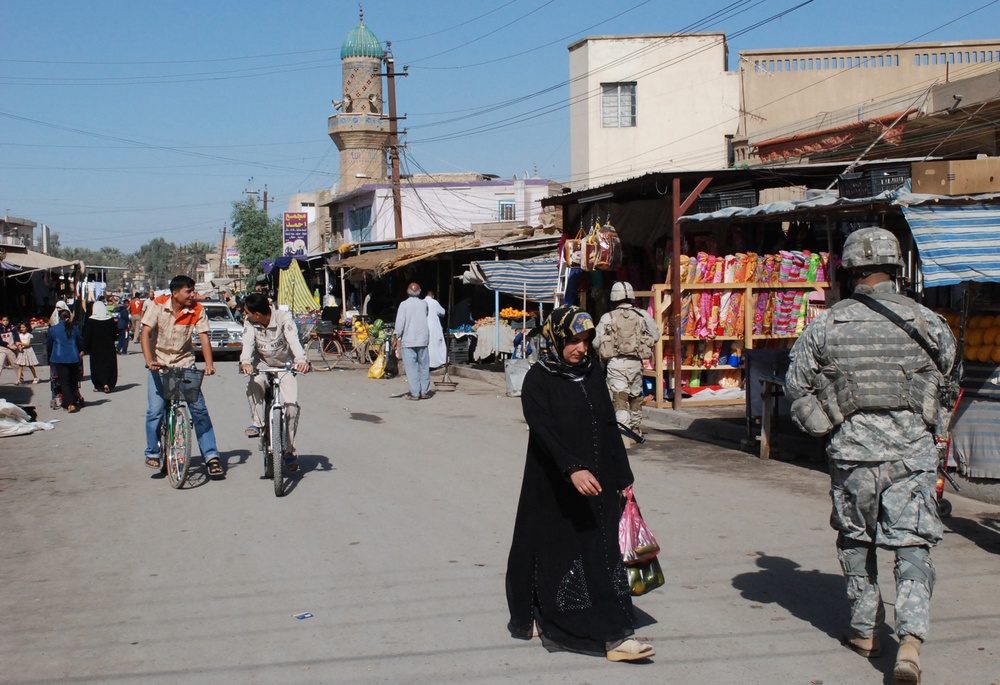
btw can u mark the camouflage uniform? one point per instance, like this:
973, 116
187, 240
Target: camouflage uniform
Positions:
883, 461
624, 370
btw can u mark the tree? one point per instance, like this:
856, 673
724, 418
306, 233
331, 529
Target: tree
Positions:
157, 260
258, 236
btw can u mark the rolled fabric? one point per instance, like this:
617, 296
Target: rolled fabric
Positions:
772, 303
713, 318
704, 313
725, 305
683, 268
689, 354
785, 266
798, 266
718, 269
739, 314
812, 271
801, 310
824, 267
759, 311
688, 317
729, 269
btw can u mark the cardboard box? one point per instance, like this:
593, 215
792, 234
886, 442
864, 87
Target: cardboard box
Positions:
957, 177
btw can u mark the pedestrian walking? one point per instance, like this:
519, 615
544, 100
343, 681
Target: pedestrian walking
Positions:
624, 340
565, 577
123, 321
64, 346
437, 350
26, 358
868, 372
135, 307
413, 336
100, 334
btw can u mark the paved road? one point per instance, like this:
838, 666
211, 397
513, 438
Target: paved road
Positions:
395, 538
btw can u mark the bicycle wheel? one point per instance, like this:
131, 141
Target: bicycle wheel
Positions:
276, 431
178, 446
316, 356
334, 351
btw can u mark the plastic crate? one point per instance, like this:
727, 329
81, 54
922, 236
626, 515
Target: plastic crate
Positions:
458, 350
872, 182
713, 202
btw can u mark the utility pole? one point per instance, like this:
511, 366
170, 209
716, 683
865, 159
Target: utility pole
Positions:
265, 198
222, 250
397, 202
251, 192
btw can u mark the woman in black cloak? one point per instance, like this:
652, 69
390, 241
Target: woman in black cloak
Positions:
100, 335
565, 577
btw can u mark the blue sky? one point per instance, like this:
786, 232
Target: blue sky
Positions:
122, 121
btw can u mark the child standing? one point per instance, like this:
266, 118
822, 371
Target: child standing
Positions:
26, 356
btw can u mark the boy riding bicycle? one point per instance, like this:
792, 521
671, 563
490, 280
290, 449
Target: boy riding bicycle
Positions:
270, 336
167, 324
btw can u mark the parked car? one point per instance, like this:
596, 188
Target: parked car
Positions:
226, 332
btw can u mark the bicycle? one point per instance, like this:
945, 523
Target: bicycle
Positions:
274, 433
328, 346
179, 386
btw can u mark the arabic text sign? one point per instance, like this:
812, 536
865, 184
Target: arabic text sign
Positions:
296, 237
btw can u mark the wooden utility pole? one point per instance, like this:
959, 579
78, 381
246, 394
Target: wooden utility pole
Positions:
397, 202
222, 250
265, 198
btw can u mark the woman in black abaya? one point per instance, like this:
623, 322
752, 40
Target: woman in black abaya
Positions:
100, 335
565, 578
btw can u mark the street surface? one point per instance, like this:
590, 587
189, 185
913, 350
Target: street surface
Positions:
395, 539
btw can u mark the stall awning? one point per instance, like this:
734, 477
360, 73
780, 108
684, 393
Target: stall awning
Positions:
36, 260
956, 243
537, 280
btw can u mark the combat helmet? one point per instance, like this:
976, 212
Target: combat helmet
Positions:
871, 247
622, 290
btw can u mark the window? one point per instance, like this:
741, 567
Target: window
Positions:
507, 211
361, 225
617, 105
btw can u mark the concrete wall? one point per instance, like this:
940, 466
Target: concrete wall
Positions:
790, 90
686, 104
433, 209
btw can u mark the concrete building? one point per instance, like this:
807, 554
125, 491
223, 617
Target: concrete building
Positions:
669, 103
17, 232
648, 102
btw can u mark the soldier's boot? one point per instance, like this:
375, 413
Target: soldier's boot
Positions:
907, 669
867, 647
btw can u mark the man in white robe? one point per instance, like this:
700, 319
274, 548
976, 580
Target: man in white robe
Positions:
437, 350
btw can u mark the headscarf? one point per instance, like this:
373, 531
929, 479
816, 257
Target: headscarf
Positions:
100, 312
563, 323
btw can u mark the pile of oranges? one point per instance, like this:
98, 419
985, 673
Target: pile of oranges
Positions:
982, 337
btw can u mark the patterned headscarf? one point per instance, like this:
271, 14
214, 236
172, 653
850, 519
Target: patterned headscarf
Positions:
563, 323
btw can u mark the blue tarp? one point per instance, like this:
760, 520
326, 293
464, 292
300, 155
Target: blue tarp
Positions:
957, 242
281, 263
513, 277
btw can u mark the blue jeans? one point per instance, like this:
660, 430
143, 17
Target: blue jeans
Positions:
199, 416
417, 364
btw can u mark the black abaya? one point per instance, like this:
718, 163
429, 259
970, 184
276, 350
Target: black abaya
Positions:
565, 567
99, 340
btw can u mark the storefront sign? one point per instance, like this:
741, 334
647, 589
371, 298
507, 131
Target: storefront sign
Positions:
232, 256
296, 237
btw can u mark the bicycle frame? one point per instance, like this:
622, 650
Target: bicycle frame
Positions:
272, 444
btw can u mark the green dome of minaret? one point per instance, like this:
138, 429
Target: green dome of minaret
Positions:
361, 42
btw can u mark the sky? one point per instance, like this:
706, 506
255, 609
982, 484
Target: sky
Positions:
124, 121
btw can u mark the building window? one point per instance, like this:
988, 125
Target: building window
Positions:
617, 105
361, 225
507, 211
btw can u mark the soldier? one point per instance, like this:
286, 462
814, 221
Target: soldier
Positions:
869, 372
625, 337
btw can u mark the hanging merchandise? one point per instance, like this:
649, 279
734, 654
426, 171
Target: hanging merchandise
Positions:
602, 249
572, 253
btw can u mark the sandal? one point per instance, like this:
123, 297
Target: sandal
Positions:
214, 467
252, 432
630, 650
291, 464
153, 462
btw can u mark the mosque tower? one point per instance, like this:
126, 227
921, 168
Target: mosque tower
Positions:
359, 131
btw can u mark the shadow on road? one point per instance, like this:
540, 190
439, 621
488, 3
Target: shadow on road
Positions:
241, 457
984, 533
812, 596
314, 462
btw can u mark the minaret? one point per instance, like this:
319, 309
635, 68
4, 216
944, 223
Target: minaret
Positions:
359, 131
